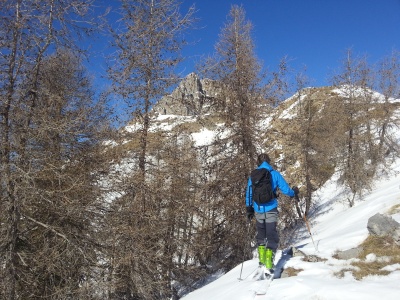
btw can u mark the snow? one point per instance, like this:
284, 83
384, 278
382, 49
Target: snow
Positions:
334, 227
290, 112
162, 123
204, 137
359, 91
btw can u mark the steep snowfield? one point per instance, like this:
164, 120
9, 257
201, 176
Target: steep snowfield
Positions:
335, 227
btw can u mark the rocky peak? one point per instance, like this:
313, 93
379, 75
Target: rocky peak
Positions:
192, 97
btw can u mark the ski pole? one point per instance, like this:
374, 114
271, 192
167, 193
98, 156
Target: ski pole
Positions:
244, 250
297, 207
305, 219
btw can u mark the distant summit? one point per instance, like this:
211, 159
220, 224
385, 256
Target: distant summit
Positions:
193, 97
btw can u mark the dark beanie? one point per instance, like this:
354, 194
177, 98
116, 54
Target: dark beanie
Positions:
263, 157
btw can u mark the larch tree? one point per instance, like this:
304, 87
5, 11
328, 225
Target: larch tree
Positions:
60, 184
306, 145
176, 182
302, 137
148, 45
241, 103
46, 126
311, 141
388, 83
355, 150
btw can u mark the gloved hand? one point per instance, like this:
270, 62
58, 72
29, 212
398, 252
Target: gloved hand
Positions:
295, 190
250, 212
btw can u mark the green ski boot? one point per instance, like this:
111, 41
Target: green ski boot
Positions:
261, 254
269, 256
269, 259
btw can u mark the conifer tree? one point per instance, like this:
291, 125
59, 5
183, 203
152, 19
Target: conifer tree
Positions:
388, 83
47, 122
356, 147
148, 45
241, 103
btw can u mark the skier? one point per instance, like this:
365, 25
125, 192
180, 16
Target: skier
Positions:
266, 213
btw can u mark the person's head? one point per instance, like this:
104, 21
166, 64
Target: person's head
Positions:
263, 157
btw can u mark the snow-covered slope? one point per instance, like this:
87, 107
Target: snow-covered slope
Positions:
335, 227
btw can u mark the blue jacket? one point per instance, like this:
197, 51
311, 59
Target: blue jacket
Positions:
277, 182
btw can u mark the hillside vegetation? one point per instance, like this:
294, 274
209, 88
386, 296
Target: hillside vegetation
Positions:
308, 137
91, 209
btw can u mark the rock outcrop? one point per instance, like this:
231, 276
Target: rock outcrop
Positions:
193, 97
382, 225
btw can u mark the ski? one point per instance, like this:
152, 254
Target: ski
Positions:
262, 289
264, 278
259, 273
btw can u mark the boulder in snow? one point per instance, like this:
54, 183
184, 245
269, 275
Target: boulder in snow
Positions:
381, 225
350, 253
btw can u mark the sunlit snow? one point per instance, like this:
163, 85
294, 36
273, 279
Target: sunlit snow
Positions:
335, 227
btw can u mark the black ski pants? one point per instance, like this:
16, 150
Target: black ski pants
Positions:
267, 233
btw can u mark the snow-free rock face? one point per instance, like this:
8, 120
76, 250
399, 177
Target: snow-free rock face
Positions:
192, 97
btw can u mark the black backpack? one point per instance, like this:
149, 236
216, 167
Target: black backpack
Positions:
262, 186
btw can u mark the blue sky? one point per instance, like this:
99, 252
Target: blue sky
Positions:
313, 34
